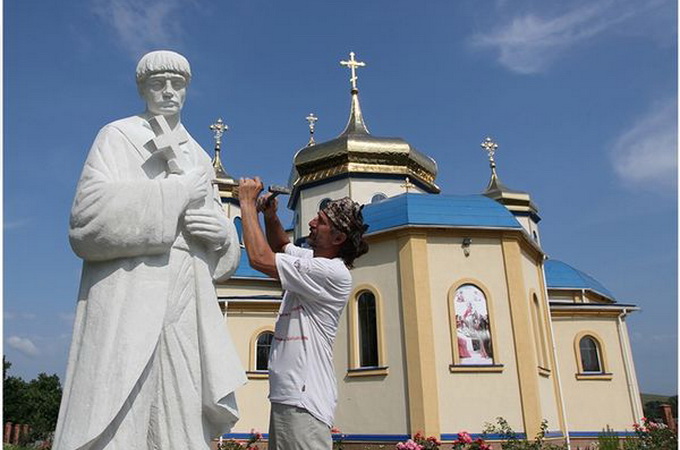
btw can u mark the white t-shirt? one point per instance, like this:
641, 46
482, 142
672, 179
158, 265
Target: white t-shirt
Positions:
301, 357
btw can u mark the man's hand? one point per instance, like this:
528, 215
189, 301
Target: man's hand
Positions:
195, 181
249, 189
207, 224
267, 205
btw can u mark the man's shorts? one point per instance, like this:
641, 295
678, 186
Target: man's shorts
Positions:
294, 428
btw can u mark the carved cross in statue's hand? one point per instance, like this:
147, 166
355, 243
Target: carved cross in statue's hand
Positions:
167, 141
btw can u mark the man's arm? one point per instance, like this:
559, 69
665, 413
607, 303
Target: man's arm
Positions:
260, 255
276, 235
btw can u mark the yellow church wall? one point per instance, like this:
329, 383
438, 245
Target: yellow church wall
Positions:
375, 404
244, 325
605, 398
548, 391
249, 287
470, 399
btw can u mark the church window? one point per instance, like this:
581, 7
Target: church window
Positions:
367, 355
378, 197
590, 355
238, 224
262, 348
368, 330
539, 333
323, 203
472, 341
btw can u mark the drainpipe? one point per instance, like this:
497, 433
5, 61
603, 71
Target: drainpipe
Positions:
556, 362
627, 364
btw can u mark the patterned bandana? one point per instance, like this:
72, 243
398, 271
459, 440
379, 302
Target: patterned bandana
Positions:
346, 216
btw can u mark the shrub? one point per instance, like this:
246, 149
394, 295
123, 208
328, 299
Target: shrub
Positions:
651, 435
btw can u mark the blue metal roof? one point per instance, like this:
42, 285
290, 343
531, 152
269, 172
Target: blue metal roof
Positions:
561, 275
245, 271
438, 210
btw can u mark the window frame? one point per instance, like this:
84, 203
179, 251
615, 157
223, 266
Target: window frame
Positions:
355, 369
604, 373
456, 366
253, 373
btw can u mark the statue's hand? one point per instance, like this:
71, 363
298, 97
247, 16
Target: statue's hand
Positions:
196, 184
207, 224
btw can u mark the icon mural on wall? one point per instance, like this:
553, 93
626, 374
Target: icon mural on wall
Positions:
472, 326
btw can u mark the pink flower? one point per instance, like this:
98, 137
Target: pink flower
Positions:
256, 434
409, 445
335, 430
465, 437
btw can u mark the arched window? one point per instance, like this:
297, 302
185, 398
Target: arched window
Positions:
368, 330
539, 334
590, 355
473, 327
378, 197
238, 224
262, 347
324, 202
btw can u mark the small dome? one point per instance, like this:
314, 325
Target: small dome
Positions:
355, 150
561, 275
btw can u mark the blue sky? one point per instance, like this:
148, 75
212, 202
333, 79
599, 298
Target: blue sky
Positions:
580, 95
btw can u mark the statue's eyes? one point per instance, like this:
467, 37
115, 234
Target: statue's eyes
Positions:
156, 85
178, 84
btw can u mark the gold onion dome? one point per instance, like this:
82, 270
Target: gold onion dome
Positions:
355, 151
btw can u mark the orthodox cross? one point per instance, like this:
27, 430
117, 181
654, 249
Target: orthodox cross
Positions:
168, 142
219, 128
311, 119
407, 184
490, 146
353, 64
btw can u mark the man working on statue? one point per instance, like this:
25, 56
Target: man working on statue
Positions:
317, 284
151, 365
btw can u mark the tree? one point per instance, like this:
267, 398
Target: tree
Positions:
35, 403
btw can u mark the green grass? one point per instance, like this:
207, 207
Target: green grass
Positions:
654, 398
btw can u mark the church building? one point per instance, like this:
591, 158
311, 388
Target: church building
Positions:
456, 317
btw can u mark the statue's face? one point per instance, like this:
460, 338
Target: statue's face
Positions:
164, 93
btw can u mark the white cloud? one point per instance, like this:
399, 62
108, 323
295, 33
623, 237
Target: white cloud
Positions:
141, 26
23, 345
67, 317
529, 43
15, 224
11, 315
646, 155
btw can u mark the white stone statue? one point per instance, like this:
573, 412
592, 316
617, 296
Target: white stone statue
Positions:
151, 365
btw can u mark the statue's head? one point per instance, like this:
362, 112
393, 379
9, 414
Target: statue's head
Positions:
162, 80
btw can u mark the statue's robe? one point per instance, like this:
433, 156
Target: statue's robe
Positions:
148, 328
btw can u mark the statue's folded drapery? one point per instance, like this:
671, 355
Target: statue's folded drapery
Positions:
148, 329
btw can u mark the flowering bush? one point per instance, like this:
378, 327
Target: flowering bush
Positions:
233, 444
510, 440
338, 438
420, 442
650, 435
465, 442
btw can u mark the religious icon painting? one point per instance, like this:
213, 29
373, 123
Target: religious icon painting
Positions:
472, 326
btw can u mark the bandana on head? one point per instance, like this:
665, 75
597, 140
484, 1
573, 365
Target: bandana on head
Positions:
346, 216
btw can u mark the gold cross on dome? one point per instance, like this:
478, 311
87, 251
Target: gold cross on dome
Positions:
489, 146
311, 120
407, 184
219, 128
353, 64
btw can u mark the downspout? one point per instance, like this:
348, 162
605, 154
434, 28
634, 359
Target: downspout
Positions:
557, 366
626, 363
